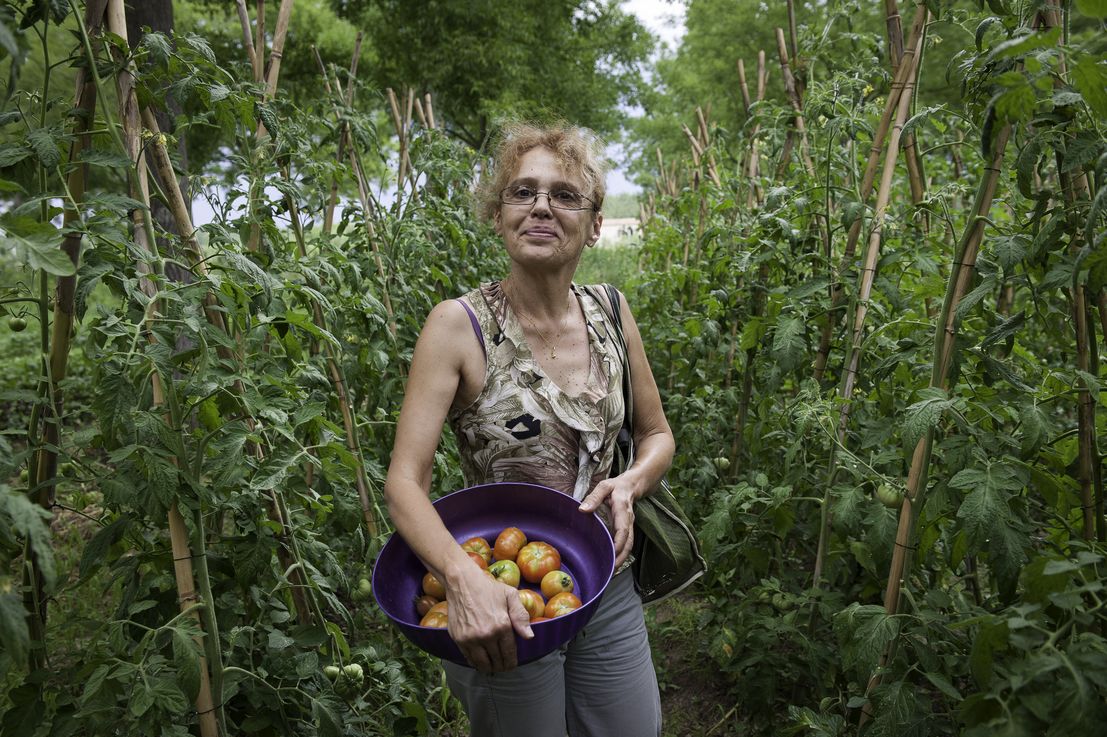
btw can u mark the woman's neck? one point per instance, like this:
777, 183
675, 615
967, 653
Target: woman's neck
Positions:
543, 298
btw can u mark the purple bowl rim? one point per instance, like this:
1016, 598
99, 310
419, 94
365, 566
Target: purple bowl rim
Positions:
584, 604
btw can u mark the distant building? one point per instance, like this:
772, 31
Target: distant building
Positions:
619, 232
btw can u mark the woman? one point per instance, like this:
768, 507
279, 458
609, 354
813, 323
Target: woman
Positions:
527, 374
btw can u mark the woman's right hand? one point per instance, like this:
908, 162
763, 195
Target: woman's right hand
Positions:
484, 617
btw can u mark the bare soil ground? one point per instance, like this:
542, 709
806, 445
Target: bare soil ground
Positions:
695, 701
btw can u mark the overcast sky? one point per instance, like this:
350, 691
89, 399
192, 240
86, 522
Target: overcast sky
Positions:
665, 18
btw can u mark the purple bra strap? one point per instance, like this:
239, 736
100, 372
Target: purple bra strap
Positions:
476, 327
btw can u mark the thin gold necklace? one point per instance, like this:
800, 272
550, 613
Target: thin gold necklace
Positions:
551, 346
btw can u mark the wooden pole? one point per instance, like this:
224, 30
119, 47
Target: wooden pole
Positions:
179, 208
868, 179
187, 596
248, 38
867, 276
46, 436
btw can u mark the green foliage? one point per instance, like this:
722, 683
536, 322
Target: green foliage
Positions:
1000, 628
732, 299
484, 61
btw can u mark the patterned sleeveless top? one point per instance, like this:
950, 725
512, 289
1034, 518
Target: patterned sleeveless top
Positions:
522, 427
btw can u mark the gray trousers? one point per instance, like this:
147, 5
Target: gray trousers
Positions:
601, 684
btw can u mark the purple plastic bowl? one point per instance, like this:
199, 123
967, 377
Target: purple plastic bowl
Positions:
587, 554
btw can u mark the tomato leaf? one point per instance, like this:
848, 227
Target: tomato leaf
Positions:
186, 656
45, 147
1092, 8
14, 637
865, 630
328, 721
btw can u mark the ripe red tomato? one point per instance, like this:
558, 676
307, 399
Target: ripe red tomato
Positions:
556, 582
424, 603
479, 546
478, 559
508, 543
505, 571
433, 587
533, 602
537, 559
438, 620
560, 604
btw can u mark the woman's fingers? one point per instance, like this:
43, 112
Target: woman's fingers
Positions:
592, 502
488, 640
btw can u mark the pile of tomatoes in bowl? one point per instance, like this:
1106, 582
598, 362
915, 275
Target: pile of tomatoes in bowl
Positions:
533, 567
581, 540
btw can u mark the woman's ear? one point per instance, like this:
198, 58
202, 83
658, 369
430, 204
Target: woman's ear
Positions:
497, 224
597, 227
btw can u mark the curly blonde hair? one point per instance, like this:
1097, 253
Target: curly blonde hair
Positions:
578, 150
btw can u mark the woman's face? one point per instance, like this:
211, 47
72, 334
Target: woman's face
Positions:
540, 235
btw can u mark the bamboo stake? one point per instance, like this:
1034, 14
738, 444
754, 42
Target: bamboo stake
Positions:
868, 273
210, 716
259, 44
868, 178
743, 86
179, 209
895, 34
794, 41
366, 200
911, 153
248, 38
353, 444
1074, 191
397, 123
43, 468
964, 263
797, 103
344, 129
276, 53
430, 111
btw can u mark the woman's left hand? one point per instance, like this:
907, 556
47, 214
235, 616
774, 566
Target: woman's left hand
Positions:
619, 496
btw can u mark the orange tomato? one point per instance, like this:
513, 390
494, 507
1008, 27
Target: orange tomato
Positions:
508, 543
424, 603
433, 587
442, 606
536, 559
476, 558
556, 582
479, 546
533, 602
560, 604
438, 620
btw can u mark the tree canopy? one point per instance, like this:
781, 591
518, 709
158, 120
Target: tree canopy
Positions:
484, 60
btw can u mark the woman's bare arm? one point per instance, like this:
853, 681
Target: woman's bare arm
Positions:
483, 614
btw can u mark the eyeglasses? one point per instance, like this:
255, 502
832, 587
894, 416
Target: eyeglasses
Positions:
560, 199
